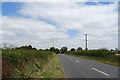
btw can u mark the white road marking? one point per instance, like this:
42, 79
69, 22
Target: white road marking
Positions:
76, 60
101, 71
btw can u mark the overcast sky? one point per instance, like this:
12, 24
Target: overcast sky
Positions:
35, 23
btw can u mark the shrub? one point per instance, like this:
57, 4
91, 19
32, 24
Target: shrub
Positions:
24, 60
94, 53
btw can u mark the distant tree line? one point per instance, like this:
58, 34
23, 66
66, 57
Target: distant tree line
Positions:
62, 50
30, 47
26, 47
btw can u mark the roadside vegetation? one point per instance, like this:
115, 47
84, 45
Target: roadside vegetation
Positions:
104, 56
29, 62
25, 61
51, 70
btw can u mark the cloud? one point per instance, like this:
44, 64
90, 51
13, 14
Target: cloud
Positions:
59, 0
44, 0
65, 13
100, 21
27, 31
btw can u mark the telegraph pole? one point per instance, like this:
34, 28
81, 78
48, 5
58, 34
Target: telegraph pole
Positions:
86, 48
53, 41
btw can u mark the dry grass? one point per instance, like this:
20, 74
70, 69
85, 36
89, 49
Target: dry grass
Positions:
52, 70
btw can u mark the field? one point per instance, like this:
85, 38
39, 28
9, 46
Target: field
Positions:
24, 63
103, 56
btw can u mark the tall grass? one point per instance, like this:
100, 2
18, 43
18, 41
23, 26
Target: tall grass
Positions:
25, 62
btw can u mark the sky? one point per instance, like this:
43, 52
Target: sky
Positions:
37, 23
59, 0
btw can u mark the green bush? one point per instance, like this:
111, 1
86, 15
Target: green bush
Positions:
101, 55
26, 61
93, 53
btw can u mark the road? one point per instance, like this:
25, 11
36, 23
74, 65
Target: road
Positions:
74, 67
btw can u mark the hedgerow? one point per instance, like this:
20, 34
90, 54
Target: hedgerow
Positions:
93, 53
25, 62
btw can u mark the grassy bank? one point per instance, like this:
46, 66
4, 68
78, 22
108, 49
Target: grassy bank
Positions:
106, 57
51, 70
23, 63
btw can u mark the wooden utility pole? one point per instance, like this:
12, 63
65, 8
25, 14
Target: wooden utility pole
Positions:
86, 46
53, 41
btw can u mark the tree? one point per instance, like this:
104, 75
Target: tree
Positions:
79, 48
40, 49
111, 50
63, 49
29, 47
57, 50
52, 49
47, 49
26, 47
72, 49
34, 48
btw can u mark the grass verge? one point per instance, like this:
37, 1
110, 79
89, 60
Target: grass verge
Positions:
52, 70
102, 60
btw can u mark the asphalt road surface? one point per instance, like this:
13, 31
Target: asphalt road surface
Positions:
74, 67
